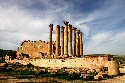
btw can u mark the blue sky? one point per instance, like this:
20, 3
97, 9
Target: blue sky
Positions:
101, 21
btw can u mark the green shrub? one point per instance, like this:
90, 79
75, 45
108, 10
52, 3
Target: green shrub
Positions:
27, 72
2, 61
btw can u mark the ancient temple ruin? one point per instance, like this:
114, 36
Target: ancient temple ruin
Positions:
65, 53
58, 48
66, 36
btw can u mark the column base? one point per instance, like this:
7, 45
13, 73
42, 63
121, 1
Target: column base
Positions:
70, 55
65, 55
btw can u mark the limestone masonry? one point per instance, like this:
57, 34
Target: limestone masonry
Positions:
65, 52
35, 49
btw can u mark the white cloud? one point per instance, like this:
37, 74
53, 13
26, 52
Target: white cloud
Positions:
100, 37
85, 29
17, 25
106, 43
118, 37
8, 45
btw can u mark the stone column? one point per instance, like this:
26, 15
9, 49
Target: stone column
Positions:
76, 47
74, 41
50, 43
62, 47
81, 45
78, 32
57, 40
70, 39
66, 39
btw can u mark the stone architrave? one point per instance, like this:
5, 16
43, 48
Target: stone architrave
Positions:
62, 47
81, 45
50, 43
74, 41
70, 39
57, 40
66, 39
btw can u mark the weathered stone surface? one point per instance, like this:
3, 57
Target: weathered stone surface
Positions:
97, 77
81, 45
66, 39
70, 40
57, 40
62, 46
34, 49
50, 37
78, 43
77, 47
113, 68
74, 41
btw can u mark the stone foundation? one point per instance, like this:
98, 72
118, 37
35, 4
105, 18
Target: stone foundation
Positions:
88, 64
91, 63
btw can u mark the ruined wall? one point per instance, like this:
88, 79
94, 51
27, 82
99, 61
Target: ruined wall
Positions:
88, 63
91, 63
34, 48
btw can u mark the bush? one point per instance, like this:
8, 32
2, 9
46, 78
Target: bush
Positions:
30, 65
2, 61
27, 72
11, 53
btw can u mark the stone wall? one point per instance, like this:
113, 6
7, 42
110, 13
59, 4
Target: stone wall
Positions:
91, 63
34, 48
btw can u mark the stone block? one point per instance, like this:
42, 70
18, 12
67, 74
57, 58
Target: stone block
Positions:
97, 77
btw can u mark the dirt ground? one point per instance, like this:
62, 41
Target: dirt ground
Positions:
117, 79
11, 79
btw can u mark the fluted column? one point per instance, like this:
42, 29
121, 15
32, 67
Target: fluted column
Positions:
50, 43
57, 40
62, 47
66, 39
70, 39
74, 41
81, 45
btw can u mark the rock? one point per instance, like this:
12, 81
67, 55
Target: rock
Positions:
87, 76
97, 77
